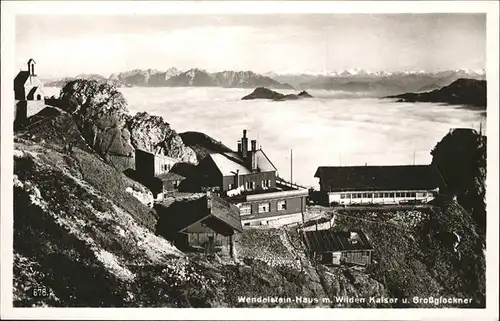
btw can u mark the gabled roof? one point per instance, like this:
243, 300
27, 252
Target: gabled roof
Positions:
209, 209
331, 241
360, 178
228, 166
225, 211
20, 79
230, 162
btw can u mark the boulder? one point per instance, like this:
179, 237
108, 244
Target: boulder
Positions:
152, 133
100, 112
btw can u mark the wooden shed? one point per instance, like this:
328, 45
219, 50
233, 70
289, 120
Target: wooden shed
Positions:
205, 223
337, 248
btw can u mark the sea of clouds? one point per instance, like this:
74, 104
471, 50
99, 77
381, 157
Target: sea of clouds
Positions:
334, 128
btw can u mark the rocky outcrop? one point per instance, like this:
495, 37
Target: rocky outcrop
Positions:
100, 112
461, 159
265, 93
152, 133
203, 144
470, 92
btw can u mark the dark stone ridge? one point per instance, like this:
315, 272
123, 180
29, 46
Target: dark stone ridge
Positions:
461, 159
265, 93
469, 92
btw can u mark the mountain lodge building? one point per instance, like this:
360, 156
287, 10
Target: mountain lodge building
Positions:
400, 184
248, 179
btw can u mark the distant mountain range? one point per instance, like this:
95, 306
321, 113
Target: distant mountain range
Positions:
174, 78
463, 91
380, 82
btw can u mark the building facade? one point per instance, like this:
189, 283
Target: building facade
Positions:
201, 224
153, 171
379, 185
248, 179
338, 247
28, 94
273, 209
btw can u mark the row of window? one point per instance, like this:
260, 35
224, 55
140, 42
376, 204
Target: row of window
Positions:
262, 207
385, 195
166, 167
251, 185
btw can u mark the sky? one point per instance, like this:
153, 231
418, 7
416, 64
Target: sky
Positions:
64, 45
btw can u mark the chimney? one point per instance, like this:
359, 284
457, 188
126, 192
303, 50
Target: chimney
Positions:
254, 145
244, 144
237, 179
239, 147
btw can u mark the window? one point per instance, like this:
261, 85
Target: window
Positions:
253, 185
230, 187
348, 195
386, 194
391, 194
245, 210
398, 194
342, 195
375, 195
264, 207
281, 205
246, 224
249, 185
266, 183
369, 195
413, 194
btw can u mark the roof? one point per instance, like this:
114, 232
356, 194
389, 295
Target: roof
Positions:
227, 166
225, 211
332, 241
33, 91
399, 177
209, 209
230, 162
170, 176
20, 79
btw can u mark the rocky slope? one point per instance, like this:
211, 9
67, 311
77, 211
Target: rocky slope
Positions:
265, 93
470, 92
84, 233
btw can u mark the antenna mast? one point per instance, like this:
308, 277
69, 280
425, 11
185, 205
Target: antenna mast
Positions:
291, 166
